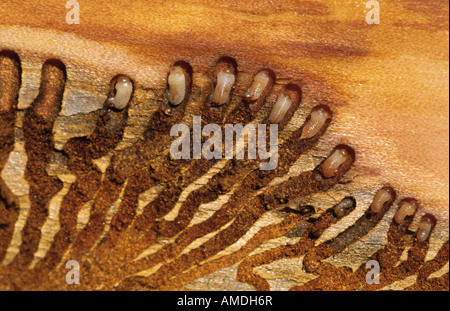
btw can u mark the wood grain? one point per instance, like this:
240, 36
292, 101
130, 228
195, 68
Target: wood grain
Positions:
387, 84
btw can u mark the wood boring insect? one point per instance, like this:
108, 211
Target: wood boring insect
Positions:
90, 91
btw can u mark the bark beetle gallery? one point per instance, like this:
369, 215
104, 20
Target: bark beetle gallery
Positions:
88, 176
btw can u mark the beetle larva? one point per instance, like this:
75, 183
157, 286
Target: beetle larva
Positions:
87, 174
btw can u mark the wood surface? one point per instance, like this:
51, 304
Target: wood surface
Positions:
386, 84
